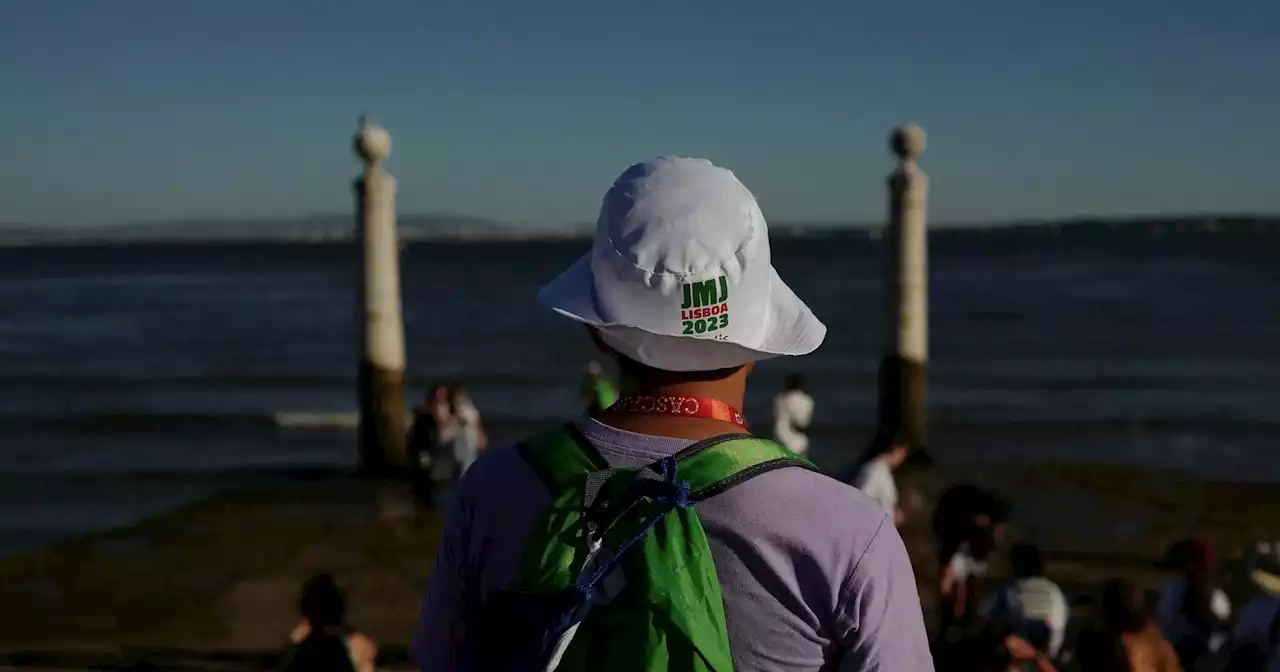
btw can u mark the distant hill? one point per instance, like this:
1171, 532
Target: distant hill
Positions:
1082, 226
322, 228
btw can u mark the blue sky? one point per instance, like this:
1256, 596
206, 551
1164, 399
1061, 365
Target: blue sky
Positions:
525, 111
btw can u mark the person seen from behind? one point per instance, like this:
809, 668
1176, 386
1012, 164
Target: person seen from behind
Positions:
968, 525
1123, 637
1033, 606
876, 478
792, 412
323, 641
659, 534
597, 392
1192, 611
469, 438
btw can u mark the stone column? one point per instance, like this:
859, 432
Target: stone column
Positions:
902, 371
383, 430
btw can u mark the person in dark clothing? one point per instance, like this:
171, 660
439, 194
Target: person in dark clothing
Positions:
992, 648
1193, 612
322, 640
424, 433
1123, 636
422, 445
968, 524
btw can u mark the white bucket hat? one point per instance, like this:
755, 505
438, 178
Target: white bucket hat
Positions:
679, 276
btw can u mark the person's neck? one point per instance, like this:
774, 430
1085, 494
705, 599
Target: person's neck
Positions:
729, 390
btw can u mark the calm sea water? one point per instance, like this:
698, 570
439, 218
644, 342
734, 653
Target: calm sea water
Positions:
134, 378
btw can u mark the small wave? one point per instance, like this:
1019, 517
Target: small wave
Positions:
144, 421
305, 420
125, 421
35, 486
416, 380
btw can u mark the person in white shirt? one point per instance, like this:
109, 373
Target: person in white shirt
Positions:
1032, 605
876, 476
469, 438
792, 411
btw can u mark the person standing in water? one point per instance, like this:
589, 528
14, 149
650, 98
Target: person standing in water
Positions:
597, 392
469, 439
792, 411
876, 476
438, 434
789, 569
424, 434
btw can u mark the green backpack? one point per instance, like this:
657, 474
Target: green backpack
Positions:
617, 574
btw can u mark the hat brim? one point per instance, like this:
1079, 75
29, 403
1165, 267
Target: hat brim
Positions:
790, 328
573, 293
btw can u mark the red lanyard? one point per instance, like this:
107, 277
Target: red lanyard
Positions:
688, 407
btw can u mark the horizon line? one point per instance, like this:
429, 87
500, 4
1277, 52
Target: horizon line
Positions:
494, 223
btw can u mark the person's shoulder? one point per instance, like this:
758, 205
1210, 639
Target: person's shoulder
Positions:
799, 485
808, 507
362, 648
300, 631
876, 468
795, 512
1042, 583
1255, 616
496, 476
1168, 655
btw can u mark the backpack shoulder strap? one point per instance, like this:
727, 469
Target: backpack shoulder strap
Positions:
560, 455
715, 465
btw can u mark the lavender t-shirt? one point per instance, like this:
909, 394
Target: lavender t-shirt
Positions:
813, 573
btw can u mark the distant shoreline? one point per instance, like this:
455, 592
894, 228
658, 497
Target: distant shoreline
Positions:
414, 229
